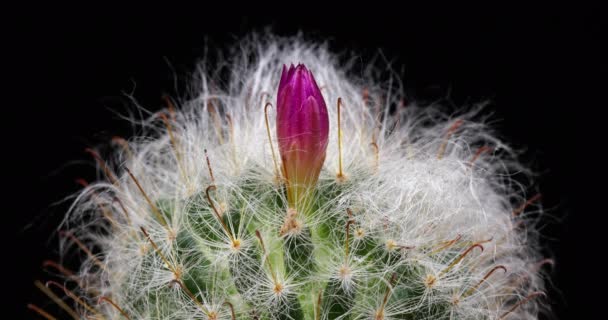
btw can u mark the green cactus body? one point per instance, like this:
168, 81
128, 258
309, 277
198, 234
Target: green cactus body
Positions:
391, 222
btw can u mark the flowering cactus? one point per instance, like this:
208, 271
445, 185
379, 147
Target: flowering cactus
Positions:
374, 210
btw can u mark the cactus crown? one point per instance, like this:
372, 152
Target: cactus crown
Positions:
414, 215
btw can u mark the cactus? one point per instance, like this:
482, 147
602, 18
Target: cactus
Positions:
404, 212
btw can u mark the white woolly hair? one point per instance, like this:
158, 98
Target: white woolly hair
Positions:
437, 188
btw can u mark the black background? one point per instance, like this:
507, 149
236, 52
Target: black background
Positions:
542, 68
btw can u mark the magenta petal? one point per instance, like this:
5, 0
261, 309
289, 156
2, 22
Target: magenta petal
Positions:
302, 129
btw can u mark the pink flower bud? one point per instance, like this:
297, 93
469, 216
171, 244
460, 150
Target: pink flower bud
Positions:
302, 131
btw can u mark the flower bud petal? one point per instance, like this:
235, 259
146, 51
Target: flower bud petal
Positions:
302, 130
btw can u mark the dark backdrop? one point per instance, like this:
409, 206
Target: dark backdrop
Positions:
542, 69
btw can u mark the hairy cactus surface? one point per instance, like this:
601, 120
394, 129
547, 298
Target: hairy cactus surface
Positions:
304, 192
